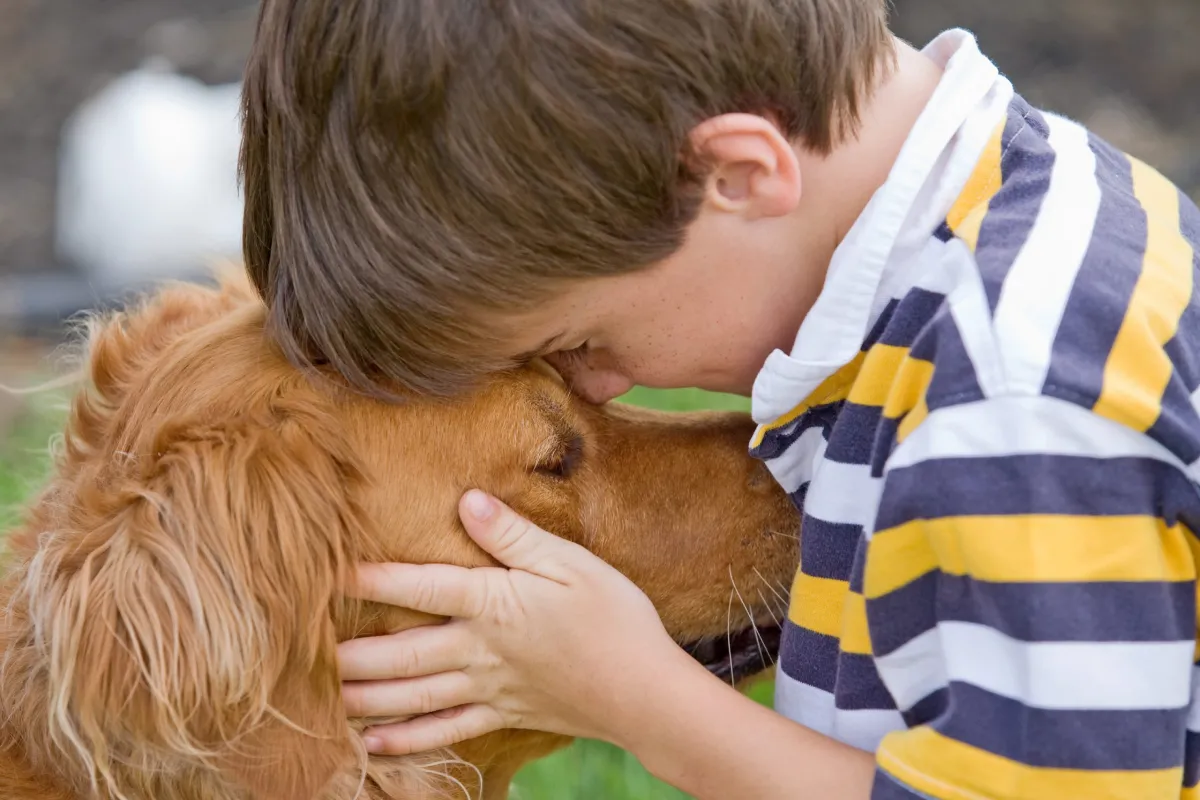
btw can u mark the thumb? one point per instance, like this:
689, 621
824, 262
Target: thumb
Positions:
513, 540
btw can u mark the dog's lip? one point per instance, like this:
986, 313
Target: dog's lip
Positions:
739, 655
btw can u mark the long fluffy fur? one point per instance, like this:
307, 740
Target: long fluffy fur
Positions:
162, 628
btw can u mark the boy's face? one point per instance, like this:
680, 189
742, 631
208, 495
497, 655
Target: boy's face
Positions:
749, 270
708, 316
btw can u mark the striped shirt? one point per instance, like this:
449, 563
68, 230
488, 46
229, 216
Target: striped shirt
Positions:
989, 420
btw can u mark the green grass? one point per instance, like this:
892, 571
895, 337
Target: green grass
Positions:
586, 770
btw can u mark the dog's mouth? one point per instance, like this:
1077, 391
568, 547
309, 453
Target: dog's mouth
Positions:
741, 654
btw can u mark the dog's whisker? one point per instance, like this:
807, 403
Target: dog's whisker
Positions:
729, 635
767, 583
786, 592
758, 641
770, 609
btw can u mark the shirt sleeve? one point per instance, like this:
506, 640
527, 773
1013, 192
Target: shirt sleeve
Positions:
1031, 597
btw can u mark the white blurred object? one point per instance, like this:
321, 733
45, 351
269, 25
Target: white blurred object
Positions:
148, 179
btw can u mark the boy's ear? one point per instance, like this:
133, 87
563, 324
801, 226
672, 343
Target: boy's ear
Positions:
749, 166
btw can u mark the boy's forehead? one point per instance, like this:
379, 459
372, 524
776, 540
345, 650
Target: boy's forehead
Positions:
560, 321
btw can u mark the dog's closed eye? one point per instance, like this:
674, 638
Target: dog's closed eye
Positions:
565, 459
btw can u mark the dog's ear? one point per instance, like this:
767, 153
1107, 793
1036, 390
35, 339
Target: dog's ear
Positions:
119, 349
187, 611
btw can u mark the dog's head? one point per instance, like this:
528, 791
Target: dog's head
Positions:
177, 592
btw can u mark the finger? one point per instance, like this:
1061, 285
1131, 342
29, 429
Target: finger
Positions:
413, 653
409, 697
440, 589
432, 731
513, 540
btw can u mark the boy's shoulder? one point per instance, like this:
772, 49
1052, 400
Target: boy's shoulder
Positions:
1086, 260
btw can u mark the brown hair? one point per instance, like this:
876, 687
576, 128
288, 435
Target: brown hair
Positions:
416, 169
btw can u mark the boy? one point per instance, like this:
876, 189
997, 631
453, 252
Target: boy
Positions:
969, 328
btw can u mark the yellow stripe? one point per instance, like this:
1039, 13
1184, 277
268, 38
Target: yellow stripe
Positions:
897, 557
908, 388
1137, 370
856, 637
1190, 793
946, 769
817, 604
967, 213
1024, 548
893, 379
912, 419
834, 388
879, 370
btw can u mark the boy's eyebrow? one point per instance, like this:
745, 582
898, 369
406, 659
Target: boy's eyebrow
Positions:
540, 350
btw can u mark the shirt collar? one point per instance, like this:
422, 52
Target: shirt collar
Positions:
832, 333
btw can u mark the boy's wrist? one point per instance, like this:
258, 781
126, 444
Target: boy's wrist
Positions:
700, 735
683, 697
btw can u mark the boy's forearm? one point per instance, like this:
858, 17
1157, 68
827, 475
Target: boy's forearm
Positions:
701, 736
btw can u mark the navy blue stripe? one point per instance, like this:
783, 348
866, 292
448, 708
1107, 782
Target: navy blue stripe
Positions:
884, 444
859, 567
859, 686
928, 708
903, 614
954, 379
827, 548
1059, 739
885, 318
1182, 350
1184, 347
1178, 425
911, 316
925, 346
885, 787
1191, 759
1101, 611
1034, 484
1020, 109
808, 656
776, 442
1103, 286
853, 438
1026, 165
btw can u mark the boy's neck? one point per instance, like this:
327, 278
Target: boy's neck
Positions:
838, 186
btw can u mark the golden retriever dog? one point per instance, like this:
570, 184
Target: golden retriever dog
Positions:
174, 597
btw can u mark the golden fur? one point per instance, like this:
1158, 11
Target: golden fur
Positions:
175, 595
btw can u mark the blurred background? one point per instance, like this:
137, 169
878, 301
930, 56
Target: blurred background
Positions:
118, 138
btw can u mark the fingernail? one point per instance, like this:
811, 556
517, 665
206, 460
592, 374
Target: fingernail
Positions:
479, 505
373, 744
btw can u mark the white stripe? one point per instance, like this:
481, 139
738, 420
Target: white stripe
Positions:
843, 493
865, 728
1002, 426
969, 308
811, 707
1038, 283
914, 671
794, 467
1069, 675
1193, 720
814, 709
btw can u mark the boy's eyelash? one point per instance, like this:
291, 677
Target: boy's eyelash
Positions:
575, 352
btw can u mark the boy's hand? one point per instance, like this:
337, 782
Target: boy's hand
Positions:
549, 644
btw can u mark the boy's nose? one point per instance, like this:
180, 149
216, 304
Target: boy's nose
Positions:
593, 384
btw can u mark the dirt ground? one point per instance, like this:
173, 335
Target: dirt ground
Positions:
1129, 69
